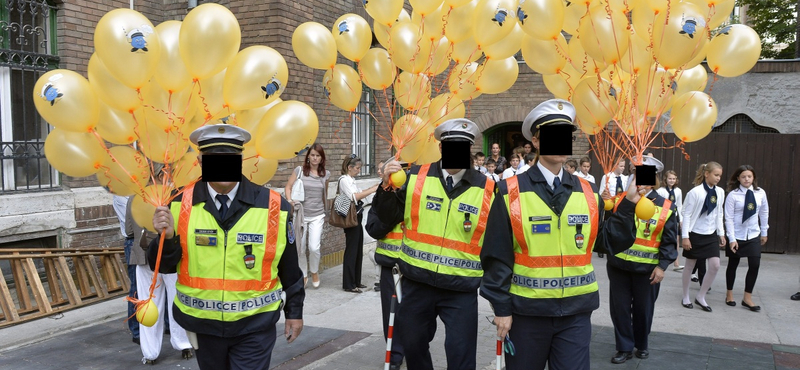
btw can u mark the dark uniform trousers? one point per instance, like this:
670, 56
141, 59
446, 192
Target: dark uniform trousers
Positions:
251, 351
560, 342
415, 323
387, 290
632, 301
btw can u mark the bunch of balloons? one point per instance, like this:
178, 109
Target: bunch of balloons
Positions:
150, 87
445, 53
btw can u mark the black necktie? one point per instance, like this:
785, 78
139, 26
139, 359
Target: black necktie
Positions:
711, 199
449, 183
671, 192
556, 183
619, 185
750, 207
223, 208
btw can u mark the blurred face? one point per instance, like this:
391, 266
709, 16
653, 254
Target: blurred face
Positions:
481, 160
528, 147
712, 177
746, 178
585, 167
314, 158
620, 167
354, 170
671, 180
570, 169
491, 167
514, 161
495, 149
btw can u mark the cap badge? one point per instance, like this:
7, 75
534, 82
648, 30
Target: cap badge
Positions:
560, 106
221, 130
464, 125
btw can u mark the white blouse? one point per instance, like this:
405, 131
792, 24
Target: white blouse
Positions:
612, 183
704, 224
509, 173
347, 186
734, 207
662, 191
587, 177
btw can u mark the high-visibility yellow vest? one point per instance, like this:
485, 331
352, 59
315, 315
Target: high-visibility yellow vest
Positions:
229, 275
558, 263
444, 235
648, 238
389, 246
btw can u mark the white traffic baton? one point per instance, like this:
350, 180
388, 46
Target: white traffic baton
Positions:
390, 333
499, 354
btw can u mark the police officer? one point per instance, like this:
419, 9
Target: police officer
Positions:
444, 208
537, 256
635, 274
232, 244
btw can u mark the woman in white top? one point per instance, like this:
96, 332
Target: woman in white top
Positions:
311, 210
671, 191
353, 236
703, 231
511, 171
584, 165
745, 207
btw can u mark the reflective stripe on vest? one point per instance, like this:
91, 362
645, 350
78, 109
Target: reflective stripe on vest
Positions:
452, 246
646, 250
229, 306
267, 282
553, 283
389, 246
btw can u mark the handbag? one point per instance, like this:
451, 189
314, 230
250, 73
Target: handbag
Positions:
298, 191
344, 213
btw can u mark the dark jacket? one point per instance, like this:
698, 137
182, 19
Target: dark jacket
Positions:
248, 195
378, 230
391, 211
497, 255
667, 251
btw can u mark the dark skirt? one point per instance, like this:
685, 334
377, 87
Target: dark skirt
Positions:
747, 248
703, 246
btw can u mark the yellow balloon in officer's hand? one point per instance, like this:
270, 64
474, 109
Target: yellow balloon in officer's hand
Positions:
608, 204
645, 209
147, 314
398, 178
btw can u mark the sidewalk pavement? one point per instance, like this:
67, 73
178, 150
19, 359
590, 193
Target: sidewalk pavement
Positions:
343, 330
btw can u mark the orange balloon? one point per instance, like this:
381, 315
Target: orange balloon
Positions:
342, 87
73, 153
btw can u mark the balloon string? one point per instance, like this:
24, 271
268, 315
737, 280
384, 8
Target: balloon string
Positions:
141, 304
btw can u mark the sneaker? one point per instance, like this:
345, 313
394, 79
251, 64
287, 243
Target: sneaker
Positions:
695, 278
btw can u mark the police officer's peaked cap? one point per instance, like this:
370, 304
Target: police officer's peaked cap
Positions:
550, 112
650, 161
222, 134
457, 129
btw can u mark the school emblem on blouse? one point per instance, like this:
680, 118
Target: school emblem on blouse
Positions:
751, 206
713, 199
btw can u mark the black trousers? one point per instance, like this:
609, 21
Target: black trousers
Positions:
415, 325
753, 263
387, 290
632, 301
246, 352
353, 255
562, 343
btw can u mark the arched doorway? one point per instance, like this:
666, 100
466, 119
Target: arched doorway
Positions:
508, 135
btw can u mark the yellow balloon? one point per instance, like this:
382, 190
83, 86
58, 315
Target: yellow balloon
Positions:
209, 97
462, 81
645, 209
412, 91
186, 170
437, 61
546, 57
608, 204
209, 40
573, 12
109, 89
604, 34
425, 7
171, 73
582, 62
595, 101
314, 45
697, 59
639, 56
693, 79
454, 4
342, 87
507, 46
693, 116
619, 5
496, 76
588, 128
257, 169
129, 47
459, 22
166, 110
431, 25
66, 100
430, 152
147, 314
493, 20
74, 154
384, 11
286, 128
409, 136
143, 206
116, 126
162, 145
653, 91
679, 35
250, 118
125, 171
562, 84
716, 11
407, 46
659, 6
382, 30
465, 51
353, 36
256, 77
541, 27
377, 70
734, 51
444, 107
398, 179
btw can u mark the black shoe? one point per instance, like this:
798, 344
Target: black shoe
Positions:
752, 308
361, 286
136, 340
695, 278
687, 305
149, 362
705, 308
642, 353
796, 296
621, 357
394, 366
186, 354
377, 288
731, 303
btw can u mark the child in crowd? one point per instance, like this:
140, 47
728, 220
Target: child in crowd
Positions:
671, 191
491, 165
480, 158
584, 165
571, 166
511, 171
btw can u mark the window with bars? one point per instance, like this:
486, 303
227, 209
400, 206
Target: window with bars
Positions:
27, 50
743, 124
364, 132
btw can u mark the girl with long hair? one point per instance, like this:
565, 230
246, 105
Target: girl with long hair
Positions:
671, 191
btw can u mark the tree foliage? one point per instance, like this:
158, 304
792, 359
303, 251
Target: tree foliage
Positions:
776, 22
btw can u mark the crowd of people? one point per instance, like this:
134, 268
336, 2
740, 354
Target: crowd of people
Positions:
519, 232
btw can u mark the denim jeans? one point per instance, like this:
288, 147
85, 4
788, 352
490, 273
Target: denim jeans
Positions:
133, 325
